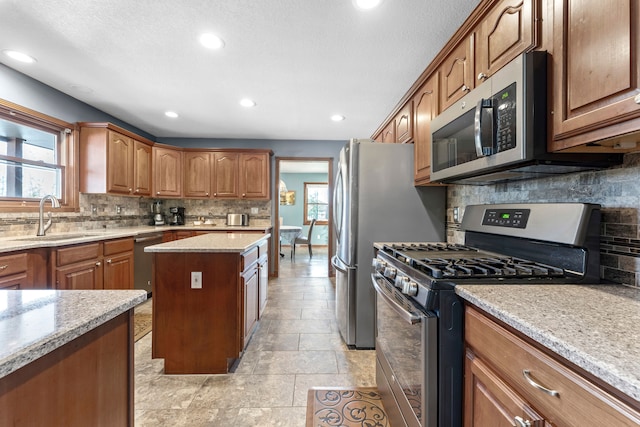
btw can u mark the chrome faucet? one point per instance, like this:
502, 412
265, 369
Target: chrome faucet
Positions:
42, 227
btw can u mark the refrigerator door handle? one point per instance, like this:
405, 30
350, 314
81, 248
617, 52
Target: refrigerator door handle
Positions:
334, 262
336, 220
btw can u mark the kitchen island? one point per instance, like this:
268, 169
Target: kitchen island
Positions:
66, 357
208, 294
579, 341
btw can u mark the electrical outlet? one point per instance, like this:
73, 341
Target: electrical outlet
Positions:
196, 280
254, 211
94, 209
118, 209
456, 214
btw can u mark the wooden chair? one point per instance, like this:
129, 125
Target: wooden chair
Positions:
304, 241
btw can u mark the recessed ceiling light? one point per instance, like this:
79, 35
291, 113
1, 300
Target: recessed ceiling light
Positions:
246, 102
337, 118
171, 114
19, 56
211, 41
366, 4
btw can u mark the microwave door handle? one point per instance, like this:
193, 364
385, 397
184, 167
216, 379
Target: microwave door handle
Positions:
477, 126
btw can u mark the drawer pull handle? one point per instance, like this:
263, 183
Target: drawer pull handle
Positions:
4, 267
527, 376
520, 422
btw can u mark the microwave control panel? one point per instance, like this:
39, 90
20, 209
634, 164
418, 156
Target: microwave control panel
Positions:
504, 103
512, 218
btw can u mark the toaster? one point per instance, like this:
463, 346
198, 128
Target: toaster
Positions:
237, 219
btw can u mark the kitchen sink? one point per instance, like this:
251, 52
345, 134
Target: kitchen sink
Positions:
54, 237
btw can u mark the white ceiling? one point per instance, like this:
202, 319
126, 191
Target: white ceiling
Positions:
300, 60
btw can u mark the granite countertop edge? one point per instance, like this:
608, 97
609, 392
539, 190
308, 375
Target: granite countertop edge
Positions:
67, 333
16, 243
607, 371
210, 244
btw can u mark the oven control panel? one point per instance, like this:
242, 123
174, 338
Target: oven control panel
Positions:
512, 218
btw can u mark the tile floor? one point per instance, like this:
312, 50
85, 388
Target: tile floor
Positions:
297, 346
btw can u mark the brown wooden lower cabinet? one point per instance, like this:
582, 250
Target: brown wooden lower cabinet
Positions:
203, 330
497, 390
97, 265
88, 381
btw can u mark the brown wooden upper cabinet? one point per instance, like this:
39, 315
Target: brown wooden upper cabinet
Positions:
507, 30
167, 170
404, 124
254, 175
388, 134
596, 72
456, 73
226, 175
197, 174
113, 162
425, 106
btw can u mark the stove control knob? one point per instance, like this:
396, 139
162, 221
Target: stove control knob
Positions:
389, 272
410, 288
378, 265
400, 281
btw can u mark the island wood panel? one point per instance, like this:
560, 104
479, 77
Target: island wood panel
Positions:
88, 381
196, 330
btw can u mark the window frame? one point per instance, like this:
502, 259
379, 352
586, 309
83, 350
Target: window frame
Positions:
67, 153
305, 220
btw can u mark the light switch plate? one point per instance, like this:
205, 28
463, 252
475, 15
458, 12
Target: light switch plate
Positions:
254, 211
196, 280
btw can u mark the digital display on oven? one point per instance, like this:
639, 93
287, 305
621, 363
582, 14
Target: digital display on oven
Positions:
512, 218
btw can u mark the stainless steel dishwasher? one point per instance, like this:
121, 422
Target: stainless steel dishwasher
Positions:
142, 260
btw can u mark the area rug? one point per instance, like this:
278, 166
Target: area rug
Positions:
344, 407
141, 325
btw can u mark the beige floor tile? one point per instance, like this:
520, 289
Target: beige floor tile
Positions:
301, 326
296, 362
178, 418
331, 342
271, 417
274, 342
167, 391
318, 313
271, 313
245, 391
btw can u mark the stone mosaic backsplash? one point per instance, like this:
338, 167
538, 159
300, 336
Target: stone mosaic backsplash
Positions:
99, 211
616, 189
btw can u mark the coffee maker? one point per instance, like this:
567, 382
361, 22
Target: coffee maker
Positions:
177, 215
156, 210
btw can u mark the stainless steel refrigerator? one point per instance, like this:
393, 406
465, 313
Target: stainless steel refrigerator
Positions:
375, 201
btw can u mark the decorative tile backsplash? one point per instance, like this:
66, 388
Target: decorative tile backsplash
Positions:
616, 189
99, 211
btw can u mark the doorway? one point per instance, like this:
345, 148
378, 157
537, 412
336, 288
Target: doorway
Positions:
304, 191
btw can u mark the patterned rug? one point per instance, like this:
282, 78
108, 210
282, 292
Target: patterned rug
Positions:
141, 325
356, 407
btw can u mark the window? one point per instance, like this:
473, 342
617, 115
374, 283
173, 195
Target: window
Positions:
316, 202
34, 156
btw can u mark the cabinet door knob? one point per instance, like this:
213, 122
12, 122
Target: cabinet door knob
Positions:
130, 190
98, 264
527, 376
108, 261
482, 76
519, 422
465, 88
244, 195
3, 267
206, 194
158, 193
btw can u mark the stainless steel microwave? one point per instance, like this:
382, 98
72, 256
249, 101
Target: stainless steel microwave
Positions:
498, 131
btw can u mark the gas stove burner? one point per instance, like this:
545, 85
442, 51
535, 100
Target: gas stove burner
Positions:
429, 247
483, 267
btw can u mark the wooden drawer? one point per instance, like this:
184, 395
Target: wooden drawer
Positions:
263, 249
248, 258
578, 402
12, 264
118, 246
78, 253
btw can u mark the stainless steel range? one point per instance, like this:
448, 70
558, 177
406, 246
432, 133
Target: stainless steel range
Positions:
419, 342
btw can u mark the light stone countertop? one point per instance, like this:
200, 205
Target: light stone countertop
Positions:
16, 243
210, 243
33, 323
593, 326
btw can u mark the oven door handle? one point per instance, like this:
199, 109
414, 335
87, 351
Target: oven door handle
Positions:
401, 311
